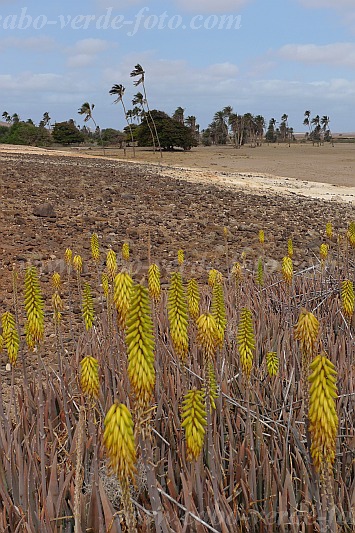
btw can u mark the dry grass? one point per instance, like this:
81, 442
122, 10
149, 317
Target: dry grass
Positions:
254, 474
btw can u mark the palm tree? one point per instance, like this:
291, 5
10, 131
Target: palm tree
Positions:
46, 119
284, 128
118, 90
140, 72
326, 129
221, 127
260, 126
190, 122
179, 115
317, 129
15, 118
307, 122
140, 100
87, 109
6, 117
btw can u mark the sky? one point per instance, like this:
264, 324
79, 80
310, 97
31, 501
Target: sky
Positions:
263, 57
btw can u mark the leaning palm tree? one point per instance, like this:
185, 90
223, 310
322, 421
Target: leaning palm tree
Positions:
179, 115
326, 129
307, 122
141, 101
87, 109
118, 90
139, 72
46, 119
316, 131
7, 117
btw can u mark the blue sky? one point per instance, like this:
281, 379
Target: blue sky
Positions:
269, 58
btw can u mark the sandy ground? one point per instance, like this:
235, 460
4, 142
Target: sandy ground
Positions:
323, 172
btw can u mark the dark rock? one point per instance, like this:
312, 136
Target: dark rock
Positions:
45, 210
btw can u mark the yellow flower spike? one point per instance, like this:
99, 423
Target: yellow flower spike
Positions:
214, 276
177, 314
34, 308
261, 236
272, 363
125, 251
89, 376
122, 290
140, 347
120, 448
56, 281
154, 282
323, 418
95, 247
237, 271
306, 331
11, 336
105, 284
287, 269
260, 273
111, 264
181, 257
58, 306
68, 255
290, 248
329, 230
351, 234
88, 307
207, 335
193, 299
194, 421
2, 343
246, 341
218, 311
323, 251
118, 440
78, 264
347, 297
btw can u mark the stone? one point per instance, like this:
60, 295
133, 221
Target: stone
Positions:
45, 210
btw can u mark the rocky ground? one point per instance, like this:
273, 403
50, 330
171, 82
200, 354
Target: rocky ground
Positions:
51, 203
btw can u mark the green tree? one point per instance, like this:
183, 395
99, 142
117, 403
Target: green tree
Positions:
26, 133
67, 133
118, 90
171, 133
139, 72
110, 136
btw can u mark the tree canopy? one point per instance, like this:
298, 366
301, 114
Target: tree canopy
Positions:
67, 133
171, 133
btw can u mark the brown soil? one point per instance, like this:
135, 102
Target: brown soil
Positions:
180, 208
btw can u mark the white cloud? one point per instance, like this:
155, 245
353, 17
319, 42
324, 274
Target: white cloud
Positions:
29, 44
199, 6
335, 90
84, 52
211, 6
176, 78
337, 54
90, 46
39, 83
339, 4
